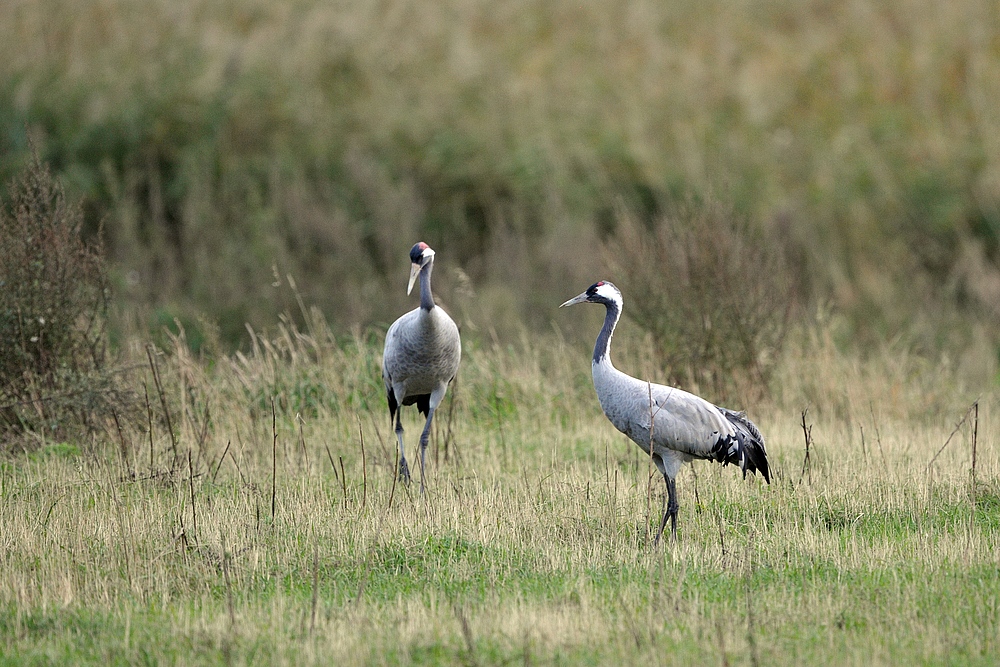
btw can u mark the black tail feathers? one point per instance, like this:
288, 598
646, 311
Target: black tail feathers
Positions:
748, 450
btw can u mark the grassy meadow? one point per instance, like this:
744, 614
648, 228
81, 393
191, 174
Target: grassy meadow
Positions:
279, 536
799, 199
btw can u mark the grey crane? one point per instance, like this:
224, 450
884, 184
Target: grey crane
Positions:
422, 351
678, 425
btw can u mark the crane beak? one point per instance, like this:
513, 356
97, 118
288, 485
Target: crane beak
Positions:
414, 272
580, 298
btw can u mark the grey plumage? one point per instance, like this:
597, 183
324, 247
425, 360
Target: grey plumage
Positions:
421, 356
678, 425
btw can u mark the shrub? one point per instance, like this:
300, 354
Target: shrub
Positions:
53, 301
712, 290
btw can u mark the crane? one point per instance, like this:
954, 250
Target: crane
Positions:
421, 356
678, 426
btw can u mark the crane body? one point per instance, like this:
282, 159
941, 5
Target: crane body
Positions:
421, 357
671, 425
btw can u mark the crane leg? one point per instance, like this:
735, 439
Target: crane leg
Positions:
404, 469
671, 511
672, 507
424, 437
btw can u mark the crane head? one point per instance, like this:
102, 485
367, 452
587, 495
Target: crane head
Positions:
421, 255
600, 292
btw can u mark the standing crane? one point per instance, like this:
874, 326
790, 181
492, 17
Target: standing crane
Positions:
422, 351
678, 426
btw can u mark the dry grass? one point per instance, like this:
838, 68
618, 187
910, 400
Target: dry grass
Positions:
532, 544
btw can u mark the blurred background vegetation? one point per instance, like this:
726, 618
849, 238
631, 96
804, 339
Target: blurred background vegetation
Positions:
838, 162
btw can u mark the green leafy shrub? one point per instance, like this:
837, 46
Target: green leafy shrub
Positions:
53, 301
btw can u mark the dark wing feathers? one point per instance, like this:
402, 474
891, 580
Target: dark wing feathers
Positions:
745, 448
393, 405
423, 402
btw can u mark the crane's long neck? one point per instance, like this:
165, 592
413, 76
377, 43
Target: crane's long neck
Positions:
426, 298
602, 349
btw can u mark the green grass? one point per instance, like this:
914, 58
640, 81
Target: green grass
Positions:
531, 583
533, 543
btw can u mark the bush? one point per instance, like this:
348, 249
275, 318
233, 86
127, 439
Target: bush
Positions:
712, 290
53, 302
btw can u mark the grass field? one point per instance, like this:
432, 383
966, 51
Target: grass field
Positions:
245, 509
272, 540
